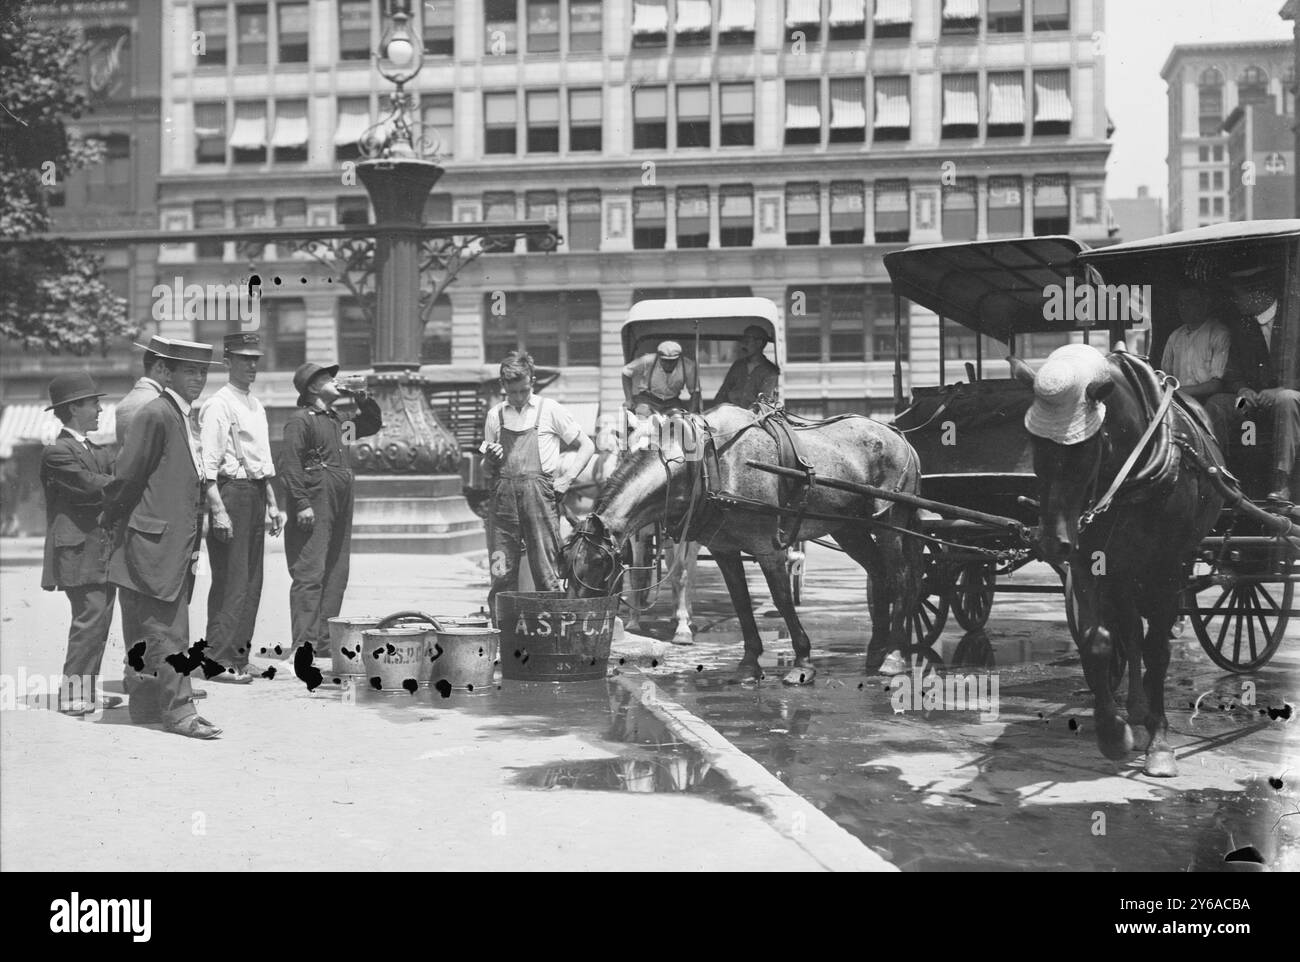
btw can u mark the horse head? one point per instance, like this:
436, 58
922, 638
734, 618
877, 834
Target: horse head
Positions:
590, 560
1065, 422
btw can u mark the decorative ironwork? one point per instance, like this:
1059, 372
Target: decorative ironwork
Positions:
412, 441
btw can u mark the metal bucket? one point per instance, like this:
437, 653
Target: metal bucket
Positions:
464, 656
394, 658
548, 637
346, 642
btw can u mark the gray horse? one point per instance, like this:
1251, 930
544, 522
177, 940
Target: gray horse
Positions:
667, 482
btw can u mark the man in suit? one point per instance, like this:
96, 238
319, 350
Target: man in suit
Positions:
74, 474
156, 504
752, 374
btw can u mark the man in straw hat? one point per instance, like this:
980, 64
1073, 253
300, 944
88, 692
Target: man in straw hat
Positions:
156, 503
752, 374
656, 382
235, 442
318, 544
74, 473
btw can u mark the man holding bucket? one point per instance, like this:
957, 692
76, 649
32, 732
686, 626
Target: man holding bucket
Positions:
523, 439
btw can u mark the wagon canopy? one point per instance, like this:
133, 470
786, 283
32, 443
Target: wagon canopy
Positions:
711, 318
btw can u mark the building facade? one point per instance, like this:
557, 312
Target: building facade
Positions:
1261, 145
1207, 82
1137, 217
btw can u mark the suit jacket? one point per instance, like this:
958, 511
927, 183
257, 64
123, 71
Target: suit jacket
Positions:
155, 503
1249, 362
76, 546
145, 390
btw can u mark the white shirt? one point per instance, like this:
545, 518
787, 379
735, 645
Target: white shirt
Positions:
555, 427
1195, 357
78, 436
234, 436
194, 441
1265, 321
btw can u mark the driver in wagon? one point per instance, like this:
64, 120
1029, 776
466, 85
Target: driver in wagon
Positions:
655, 383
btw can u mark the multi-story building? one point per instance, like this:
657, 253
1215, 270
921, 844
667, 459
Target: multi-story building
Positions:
1207, 81
1137, 217
1261, 145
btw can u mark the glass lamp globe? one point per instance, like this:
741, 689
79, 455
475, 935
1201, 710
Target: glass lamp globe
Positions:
400, 51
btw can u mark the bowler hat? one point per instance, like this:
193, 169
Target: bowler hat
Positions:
72, 387
307, 371
248, 343
177, 350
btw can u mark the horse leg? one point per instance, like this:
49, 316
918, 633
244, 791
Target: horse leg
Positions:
1101, 628
1136, 704
638, 579
733, 573
778, 582
902, 560
1160, 761
683, 586
863, 549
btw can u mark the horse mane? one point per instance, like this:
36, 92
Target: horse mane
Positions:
628, 467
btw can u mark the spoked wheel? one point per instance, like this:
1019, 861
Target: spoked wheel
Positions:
1240, 625
973, 594
932, 603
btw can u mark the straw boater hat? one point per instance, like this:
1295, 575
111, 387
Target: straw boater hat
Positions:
177, 350
1061, 411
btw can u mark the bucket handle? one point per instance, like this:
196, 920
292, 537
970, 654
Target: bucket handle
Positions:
408, 616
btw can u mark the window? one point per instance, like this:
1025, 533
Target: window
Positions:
1051, 15
961, 17
892, 20
584, 221
251, 24
803, 118
1218, 180
736, 23
847, 211
1204, 180
848, 111
585, 25
291, 212
435, 342
353, 119
437, 208
212, 23
803, 16
293, 32
354, 29
893, 212
558, 328
737, 128
802, 214
543, 26
542, 205
500, 122
1218, 154
499, 206
355, 334
847, 327
1252, 87
584, 120
439, 29
1006, 207
893, 108
501, 326
438, 122
736, 216
248, 140
352, 210
290, 138
841, 322
1203, 154
1210, 98
649, 23
1006, 105
1053, 111
1051, 205
1205, 207
1006, 16
694, 118
502, 21
694, 23
848, 20
209, 215
1218, 207
284, 333
961, 110
880, 307
650, 118
249, 213
959, 210
108, 184
649, 219
692, 217
543, 121
803, 324
209, 133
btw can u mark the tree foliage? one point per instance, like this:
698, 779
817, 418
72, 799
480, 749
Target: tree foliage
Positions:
52, 296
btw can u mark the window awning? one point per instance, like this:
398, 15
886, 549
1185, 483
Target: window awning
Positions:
290, 125
961, 9
250, 130
692, 203
736, 15
893, 102
802, 11
893, 11
802, 109
1006, 98
354, 118
543, 107
1052, 98
847, 13
961, 99
584, 105
693, 16
649, 17
847, 107
31, 424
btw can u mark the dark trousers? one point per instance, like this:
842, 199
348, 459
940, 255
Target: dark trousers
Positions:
92, 615
318, 562
236, 590
160, 691
524, 512
1280, 408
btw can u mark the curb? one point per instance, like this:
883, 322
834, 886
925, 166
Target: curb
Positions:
793, 816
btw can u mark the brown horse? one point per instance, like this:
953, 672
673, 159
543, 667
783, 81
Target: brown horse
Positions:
1127, 561
666, 483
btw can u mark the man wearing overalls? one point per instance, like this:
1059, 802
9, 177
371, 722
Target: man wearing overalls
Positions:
523, 440
655, 382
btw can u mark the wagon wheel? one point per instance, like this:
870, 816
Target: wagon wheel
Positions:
926, 622
973, 594
1118, 664
1241, 623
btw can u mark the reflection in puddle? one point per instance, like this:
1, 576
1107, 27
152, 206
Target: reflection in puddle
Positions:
674, 769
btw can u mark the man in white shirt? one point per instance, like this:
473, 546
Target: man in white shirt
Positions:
656, 382
237, 468
523, 440
1197, 353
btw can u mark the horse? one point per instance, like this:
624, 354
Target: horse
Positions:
667, 482
1110, 423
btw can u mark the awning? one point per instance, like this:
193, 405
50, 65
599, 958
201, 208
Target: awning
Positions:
649, 17
893, 102
803, 11
961, 99
802, 110
250, 130
290, 125
31, 424
847, 13
847, 107
736, 15
1052, 97
961, 9
893, 11
354, 118
543, 107
693, 16
1006, 98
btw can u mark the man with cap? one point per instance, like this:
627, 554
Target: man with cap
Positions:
655, 382
156, 503
235, 442
752, 374
318, 542
74, 473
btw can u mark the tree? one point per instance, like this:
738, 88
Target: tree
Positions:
52, 296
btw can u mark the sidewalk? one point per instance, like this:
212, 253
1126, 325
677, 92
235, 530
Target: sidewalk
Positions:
319, 780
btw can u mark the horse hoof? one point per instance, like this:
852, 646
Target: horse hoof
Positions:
749, 671
893, 664
683, 638
1115, 739
1161, 764
800, 675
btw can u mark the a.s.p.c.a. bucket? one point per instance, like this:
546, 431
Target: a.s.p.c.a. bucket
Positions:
548, 637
